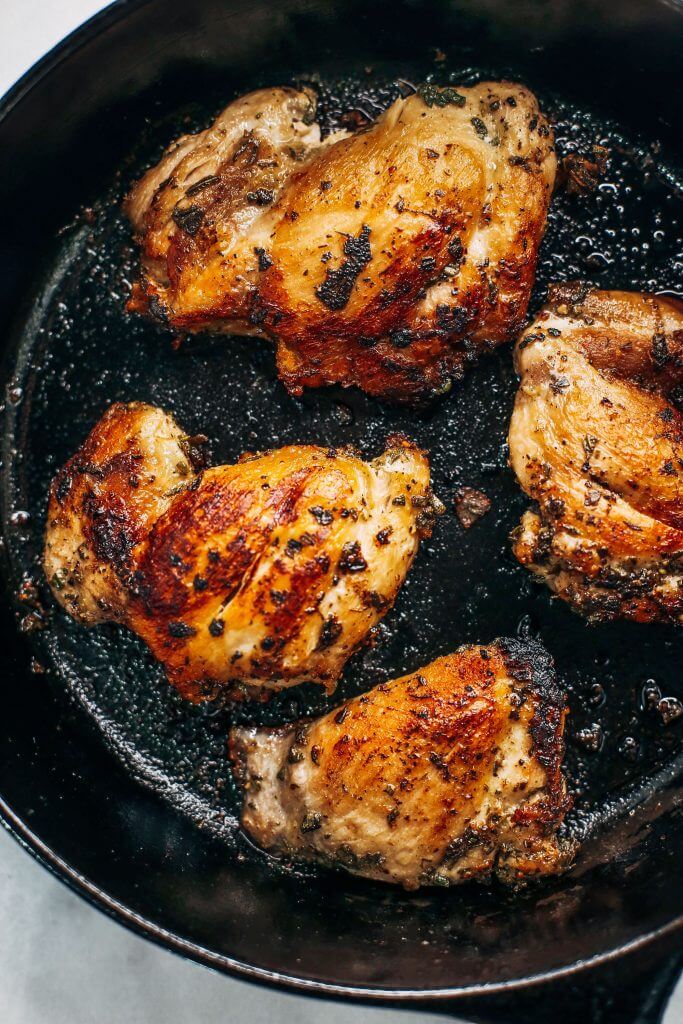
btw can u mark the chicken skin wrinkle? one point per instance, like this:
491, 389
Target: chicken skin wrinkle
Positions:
249, 577
387, 259
448, 774
597, 443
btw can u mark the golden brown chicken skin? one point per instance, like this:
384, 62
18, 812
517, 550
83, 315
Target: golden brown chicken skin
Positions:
386, 259
252, 577
597, 444
448, 774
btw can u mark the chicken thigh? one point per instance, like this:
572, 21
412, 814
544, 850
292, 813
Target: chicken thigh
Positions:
386, 259
447, 774
254, 576
598, 445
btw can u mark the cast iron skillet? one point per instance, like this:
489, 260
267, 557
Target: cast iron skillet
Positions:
105, 775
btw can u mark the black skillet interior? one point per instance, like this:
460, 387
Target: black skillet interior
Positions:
168, 851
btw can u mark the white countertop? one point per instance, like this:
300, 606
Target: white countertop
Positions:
61, 961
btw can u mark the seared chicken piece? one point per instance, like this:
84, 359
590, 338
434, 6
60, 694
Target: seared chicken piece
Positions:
385, 259
597, 445
259, 575
448, 774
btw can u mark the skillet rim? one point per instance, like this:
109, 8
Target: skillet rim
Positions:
147, 929
63, 50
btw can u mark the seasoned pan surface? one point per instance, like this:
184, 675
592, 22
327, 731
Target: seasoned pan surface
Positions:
79, 351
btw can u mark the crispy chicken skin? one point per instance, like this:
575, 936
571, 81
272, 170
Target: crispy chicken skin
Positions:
254, 576
597, 445
386, 259
448, 774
